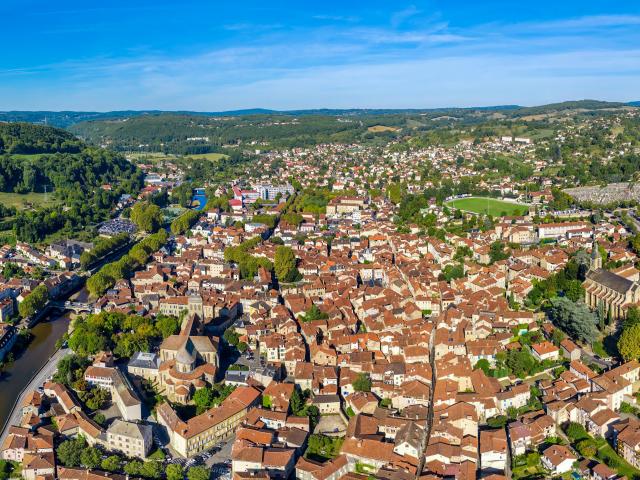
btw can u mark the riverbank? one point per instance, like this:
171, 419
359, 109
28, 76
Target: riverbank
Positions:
18, 374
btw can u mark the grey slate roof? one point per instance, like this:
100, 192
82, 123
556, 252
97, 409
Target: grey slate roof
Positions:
610, 280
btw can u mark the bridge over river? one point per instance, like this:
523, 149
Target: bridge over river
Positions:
76, 307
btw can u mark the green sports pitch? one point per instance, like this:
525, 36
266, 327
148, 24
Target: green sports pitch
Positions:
490, 206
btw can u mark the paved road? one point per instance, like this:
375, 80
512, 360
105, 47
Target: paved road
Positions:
223, 455
589, 357
37, 381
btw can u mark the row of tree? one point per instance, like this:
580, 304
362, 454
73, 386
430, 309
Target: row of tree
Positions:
110, 273
184, 222
102, 247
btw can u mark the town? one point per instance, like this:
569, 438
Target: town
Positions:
337, 311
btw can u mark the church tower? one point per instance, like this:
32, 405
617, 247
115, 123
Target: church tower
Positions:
596, 258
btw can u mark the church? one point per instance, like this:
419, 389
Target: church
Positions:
614, 290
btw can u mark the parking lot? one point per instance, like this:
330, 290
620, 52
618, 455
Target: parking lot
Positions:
331, 425
218, 459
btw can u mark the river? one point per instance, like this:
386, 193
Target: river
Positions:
18, 374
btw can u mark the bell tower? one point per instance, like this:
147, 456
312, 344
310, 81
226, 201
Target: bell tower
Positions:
596, 258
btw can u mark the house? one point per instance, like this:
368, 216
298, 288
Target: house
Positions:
327, 404
38, 465
558, 459
570, 350
132, 439
493, 450
545, 351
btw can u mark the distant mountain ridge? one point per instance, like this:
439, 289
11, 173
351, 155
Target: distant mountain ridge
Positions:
65, 119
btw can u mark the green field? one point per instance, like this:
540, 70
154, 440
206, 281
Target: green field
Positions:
209, 156
156, 156
26, 200
491, 206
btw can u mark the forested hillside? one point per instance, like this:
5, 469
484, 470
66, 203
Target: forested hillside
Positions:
26, 138
196, 133
187, 134
55, 160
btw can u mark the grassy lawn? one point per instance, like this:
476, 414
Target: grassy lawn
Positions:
524, 472
489, 206
606, 454
598, 349
607, 347
25, 200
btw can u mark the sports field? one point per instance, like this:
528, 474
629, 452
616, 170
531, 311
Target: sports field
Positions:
491, 206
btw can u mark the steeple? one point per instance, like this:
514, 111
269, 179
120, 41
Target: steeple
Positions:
596, 258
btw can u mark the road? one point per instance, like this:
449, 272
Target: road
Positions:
588, 357
38, 380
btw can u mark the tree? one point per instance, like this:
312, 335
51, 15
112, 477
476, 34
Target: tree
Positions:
175, 471
296, 402
285, 264
184, 222
629, 342
167, 325
98, 398
69, 452
362, 383
497, 252
112, 463
147, 216
198, 472
575, 318
520, 362
90, 457
11, 270
313, 313
633, 316
34, 302
70, 368
587, 448
484, 365
151, 469
452, 272
5, 469
203, 398
395, 192
498, 421
133, 468
323, 446
557, 336
576, 432
231, 337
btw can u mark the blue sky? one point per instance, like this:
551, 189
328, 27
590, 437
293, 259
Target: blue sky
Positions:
219, 55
